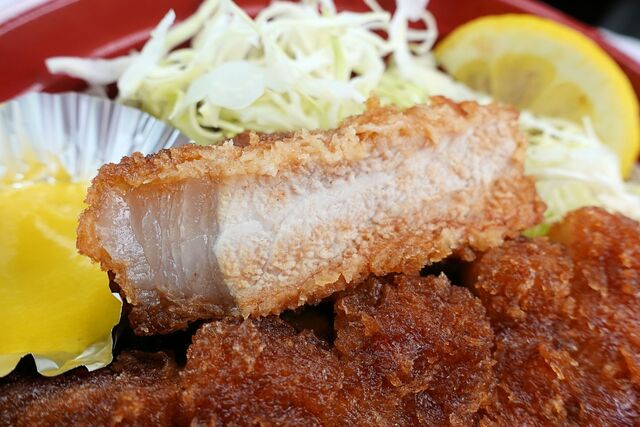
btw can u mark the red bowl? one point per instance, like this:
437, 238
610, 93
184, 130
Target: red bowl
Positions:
33, 30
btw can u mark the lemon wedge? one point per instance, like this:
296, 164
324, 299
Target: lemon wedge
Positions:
549, 69
54, 303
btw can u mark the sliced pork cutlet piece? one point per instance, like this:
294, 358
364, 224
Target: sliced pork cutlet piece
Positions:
567, 322
279, 221
138, 389
408, 351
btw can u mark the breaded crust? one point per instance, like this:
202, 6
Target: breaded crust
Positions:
278, 221
567, 320
138, 389
408, 351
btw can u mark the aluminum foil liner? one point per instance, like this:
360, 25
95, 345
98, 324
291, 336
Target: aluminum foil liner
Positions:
44, 137
76, 132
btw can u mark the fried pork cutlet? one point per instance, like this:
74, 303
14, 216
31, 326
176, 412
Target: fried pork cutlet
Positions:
137, 389
409, 351
279, 221
567, 324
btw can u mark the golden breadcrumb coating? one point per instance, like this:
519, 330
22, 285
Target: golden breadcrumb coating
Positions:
278, 221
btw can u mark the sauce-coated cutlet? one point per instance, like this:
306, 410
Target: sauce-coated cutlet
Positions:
398, 342
136, 389
567, 320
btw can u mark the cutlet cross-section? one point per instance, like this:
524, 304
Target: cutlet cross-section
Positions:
277, 221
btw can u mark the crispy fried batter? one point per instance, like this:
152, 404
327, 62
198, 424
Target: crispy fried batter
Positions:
279, 221
259, 371
567, 323
424, 341
415, 351
137, 389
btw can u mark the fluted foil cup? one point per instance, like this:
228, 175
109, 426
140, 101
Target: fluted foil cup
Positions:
46, 138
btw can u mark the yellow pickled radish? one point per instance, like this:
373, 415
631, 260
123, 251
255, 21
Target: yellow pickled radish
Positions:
55, 303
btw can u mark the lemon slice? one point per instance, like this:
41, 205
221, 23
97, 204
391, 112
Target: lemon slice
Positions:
549, 69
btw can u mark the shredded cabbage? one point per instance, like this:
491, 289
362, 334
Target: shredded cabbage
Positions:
296, 65
573, 168
304, 65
